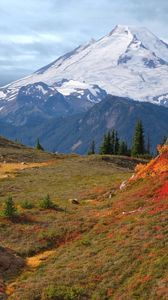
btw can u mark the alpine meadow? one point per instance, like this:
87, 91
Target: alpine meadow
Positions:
83, 150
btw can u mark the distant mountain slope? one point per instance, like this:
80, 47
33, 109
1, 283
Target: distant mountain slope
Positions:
128, 62
114, 113
40, 101
67, 134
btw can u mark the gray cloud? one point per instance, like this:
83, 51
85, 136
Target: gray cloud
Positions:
35, 32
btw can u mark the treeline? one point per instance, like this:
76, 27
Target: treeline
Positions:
113, 145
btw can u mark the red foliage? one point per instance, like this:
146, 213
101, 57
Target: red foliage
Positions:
146, 278
164, 190
159, 209
110, 235
98, 278
155, 167
109, 292
152, 254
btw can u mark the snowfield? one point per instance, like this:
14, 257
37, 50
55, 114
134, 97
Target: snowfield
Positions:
128, 62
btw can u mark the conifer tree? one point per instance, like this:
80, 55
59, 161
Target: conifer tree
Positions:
123, 148
9, 209
138, 145
38, 146
112, 142
106, 145
116, 145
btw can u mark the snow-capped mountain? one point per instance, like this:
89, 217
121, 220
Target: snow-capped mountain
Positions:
129, 62
81, 90
39, 101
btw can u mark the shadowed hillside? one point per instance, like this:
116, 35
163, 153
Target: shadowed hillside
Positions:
15, 152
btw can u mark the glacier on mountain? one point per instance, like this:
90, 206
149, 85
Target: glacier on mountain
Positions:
129, 62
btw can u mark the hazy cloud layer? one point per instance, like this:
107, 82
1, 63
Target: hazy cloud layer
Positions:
35, 32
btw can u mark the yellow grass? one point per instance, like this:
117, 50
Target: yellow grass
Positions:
36, 260
9, 169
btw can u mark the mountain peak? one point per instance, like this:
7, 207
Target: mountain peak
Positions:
129, 29
120, 29
130, 61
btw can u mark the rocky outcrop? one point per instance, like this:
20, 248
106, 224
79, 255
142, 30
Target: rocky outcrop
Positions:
10, 263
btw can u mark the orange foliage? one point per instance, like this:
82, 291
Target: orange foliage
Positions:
109, 292
155, 167
164, 190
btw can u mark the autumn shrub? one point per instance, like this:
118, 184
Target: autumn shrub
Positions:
47, 203
27, 204
86, 241
63, 293
162, 149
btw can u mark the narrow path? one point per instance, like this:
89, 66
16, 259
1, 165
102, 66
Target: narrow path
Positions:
32, 263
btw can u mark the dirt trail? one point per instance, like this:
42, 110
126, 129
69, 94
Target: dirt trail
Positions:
32, 263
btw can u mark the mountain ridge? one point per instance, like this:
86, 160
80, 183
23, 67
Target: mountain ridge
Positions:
128, 62
74, 133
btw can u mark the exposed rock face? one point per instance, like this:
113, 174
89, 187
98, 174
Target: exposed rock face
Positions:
10, 263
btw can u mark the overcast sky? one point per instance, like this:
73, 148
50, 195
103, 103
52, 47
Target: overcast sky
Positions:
35, 32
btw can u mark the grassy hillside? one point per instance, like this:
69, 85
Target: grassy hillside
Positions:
15, 152
112, 245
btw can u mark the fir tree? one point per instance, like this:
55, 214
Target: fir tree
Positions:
112, 142
138, 146
9, 209
106, 145
116, 145
38, 146
123, 148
